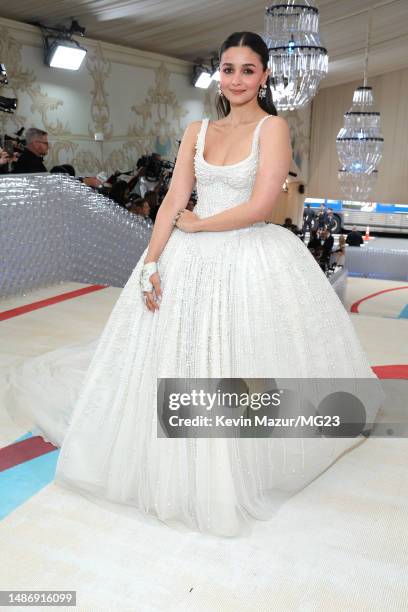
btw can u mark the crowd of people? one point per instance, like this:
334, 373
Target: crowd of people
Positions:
320, 226
137, 193
323, 218
134, 192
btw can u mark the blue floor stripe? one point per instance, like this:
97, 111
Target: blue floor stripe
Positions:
27, 435
19, 483
404, 313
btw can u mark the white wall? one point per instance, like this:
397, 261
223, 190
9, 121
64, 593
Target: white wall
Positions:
141, 101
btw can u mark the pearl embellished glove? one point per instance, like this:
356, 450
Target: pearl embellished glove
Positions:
147, 270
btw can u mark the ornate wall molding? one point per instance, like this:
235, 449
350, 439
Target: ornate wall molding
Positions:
158, 124
23, 80
99, 69
151, 117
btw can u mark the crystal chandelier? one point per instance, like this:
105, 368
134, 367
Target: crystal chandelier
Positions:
360, 143
357, 186
297, 59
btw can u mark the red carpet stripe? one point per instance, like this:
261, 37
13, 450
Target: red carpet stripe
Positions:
14, 312
19, 452
391, 371
354, 307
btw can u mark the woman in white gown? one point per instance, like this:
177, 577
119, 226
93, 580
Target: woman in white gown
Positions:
232, 297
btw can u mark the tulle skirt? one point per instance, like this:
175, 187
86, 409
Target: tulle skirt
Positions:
248, 304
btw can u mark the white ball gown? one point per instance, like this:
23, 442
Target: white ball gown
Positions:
250, 302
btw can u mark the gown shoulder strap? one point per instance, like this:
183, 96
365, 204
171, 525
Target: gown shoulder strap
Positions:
201, 135
257, 130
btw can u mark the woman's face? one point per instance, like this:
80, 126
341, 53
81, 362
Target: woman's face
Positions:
241, 74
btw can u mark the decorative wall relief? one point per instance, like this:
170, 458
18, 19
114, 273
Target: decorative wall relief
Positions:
150, 122
158, 117
22, 80
43, 104
87, 162
61, 152
99, 69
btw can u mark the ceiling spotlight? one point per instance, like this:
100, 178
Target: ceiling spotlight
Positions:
63, 53
201, 77
60, 49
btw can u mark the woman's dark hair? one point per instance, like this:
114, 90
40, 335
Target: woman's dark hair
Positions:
257, 45
119, 192
59, 170
70, 169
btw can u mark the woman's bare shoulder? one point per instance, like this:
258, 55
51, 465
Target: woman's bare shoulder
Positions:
194, 125
275, 126
192, 129
277, 120
274, 132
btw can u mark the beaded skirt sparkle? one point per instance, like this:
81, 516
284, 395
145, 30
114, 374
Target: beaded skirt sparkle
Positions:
243, 303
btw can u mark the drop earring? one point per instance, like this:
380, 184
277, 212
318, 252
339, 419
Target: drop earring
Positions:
220, 90
262, 92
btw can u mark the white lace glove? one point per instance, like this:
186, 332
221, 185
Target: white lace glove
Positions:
147, 270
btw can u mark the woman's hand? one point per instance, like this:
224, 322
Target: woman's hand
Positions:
187, 221
152, 298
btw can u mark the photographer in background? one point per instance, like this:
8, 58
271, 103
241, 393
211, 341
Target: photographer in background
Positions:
31, 159
7, 156
4, 161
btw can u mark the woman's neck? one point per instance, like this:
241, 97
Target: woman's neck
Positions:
245, 114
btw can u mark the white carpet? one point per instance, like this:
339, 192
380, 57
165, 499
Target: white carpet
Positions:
339, 545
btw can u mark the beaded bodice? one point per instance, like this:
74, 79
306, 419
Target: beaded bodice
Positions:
221, 187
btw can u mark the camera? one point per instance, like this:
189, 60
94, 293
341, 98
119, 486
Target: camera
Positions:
7, 105
14, 144
154, 166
